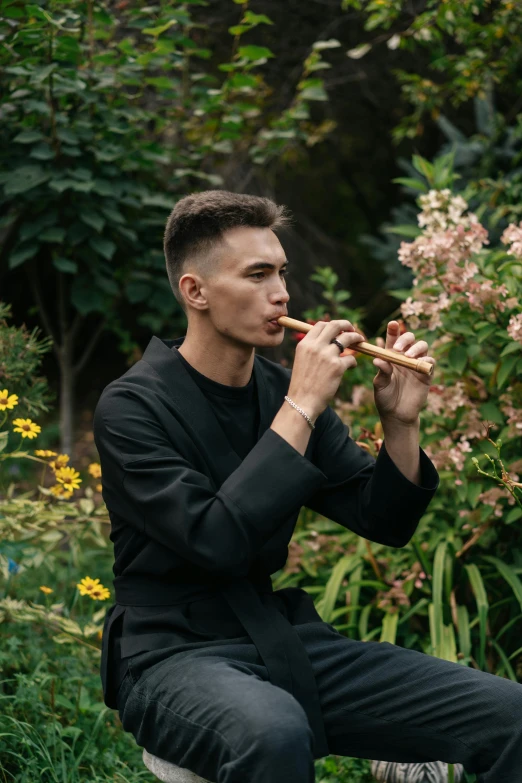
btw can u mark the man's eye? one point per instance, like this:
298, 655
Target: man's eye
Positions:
283, 272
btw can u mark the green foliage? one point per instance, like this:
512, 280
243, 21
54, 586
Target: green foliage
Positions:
467, 45
455, 591
109, 116
21, 355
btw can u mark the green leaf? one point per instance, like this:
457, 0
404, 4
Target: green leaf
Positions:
477, 585
331, 43
333, 585
489, 411
64, 265
92, 219
389, 628
20, 255
63, 701
4, 436
506, 366
84, 297
155, 31
404, 230
511, 348
29, 137
505, 661
104, 247
73, 184
314, 94
438, 614
464, 631
474, 490
508, 574
52, 234
359, 51
42, 152
23, 179
458, 357
409, 182
253, 53
253, 19
399, 293
423, 166
137, 291
513, 515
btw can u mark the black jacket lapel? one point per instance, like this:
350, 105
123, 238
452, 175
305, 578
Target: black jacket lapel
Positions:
196, 411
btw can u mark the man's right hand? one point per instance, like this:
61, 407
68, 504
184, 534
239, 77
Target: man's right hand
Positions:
318, 365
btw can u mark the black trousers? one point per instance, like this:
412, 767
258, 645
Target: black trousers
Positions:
214, 711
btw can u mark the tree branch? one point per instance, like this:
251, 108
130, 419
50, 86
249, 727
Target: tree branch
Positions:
33, 282
80, 364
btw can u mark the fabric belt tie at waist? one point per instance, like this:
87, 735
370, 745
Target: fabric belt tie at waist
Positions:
275, 639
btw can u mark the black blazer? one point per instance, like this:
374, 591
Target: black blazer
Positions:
194, 527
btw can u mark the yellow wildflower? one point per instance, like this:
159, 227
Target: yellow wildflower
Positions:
59, 491
27, 427
93, 589
69, 477
7, 400
45, 589
60, 461
99, 488
95, 469
45, 453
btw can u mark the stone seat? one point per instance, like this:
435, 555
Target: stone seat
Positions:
170, 773
385, 771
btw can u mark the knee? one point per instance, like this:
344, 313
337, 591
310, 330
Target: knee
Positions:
506, 713
280, 730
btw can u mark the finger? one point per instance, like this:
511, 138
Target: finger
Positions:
349, 339
405, 341
383, 365
419, 348
392, 333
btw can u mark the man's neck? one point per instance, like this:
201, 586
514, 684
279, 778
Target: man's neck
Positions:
226, 365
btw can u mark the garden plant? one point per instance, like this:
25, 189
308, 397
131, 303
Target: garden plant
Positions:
454, 591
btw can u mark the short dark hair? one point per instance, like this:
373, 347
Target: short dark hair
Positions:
196, 224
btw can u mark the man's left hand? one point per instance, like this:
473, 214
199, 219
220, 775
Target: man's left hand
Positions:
401, 393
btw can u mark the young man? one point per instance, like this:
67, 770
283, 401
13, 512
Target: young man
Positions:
208, 452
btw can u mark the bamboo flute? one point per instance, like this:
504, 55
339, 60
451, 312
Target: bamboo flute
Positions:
395, 357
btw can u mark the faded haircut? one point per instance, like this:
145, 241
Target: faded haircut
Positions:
195, 228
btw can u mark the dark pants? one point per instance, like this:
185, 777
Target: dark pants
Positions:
213, 711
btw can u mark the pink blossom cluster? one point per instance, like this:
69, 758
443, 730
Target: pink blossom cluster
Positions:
513, 413
515, 327
513, 236
442, 257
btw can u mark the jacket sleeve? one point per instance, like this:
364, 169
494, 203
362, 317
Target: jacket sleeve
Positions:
151, 486
367, 495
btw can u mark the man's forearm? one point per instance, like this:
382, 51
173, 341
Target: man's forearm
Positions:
402, 444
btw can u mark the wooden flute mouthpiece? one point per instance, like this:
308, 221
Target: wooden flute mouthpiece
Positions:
395, 357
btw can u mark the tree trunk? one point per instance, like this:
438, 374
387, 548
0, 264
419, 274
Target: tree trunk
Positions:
67, 383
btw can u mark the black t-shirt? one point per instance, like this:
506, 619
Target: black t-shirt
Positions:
236, 408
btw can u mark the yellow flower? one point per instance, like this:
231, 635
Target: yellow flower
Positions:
93, 589
99, 488
69, 477
27, 427
45, 589
7, 400
60, 461
45, 453
59, 491
95, 469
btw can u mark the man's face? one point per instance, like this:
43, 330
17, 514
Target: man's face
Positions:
249, 287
